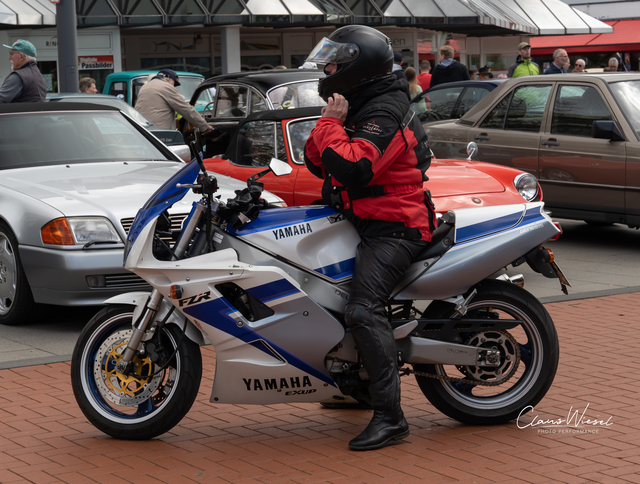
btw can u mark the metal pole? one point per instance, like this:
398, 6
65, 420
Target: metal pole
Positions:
67, 46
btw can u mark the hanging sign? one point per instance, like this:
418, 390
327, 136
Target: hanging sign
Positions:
95, 62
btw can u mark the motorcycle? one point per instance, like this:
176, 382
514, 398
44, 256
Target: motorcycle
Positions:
268, 287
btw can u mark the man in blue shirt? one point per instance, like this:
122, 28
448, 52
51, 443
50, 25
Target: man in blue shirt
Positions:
560, 58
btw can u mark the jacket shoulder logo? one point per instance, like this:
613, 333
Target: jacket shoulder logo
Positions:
372, 128
292, 230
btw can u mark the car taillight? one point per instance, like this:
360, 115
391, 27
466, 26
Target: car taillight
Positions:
57, 232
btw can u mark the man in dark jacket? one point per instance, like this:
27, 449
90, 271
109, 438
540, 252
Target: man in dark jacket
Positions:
25, 84
560, 58
372, 153
449, 69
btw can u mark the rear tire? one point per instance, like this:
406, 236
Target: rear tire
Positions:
537, 342
140, 406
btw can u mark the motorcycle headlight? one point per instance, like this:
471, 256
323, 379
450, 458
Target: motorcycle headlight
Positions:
527, 186
79, 231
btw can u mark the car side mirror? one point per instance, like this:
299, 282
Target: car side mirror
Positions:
606, 130
181, 151
472, 149
279, 167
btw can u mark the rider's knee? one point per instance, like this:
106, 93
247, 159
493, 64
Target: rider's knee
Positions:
356, 313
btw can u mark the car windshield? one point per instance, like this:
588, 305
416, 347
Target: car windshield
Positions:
298, 133
188, 86
51, 138
296, 95
627, 95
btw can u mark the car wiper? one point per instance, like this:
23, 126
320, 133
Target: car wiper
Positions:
94, 242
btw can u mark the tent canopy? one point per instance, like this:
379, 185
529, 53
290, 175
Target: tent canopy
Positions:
471, 17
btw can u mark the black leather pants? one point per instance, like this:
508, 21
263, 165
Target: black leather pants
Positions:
380, 263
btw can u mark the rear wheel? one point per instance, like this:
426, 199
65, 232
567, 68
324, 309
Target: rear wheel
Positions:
16, 300
149, 401
528, 358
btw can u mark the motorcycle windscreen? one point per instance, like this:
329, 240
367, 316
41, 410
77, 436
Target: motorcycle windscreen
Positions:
162, 199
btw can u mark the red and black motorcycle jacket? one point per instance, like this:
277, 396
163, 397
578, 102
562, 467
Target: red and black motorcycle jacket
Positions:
374, 165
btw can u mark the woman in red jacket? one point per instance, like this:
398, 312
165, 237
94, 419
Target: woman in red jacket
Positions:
372, 152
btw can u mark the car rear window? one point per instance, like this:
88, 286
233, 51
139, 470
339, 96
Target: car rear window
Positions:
35, 139
296, 95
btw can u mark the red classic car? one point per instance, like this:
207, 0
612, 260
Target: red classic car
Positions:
282, 134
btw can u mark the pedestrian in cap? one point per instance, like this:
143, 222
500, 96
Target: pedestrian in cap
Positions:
159, 101
523, 66
25, 84
397, 66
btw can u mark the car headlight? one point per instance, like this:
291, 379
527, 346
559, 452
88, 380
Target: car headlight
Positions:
527, 186
79, 231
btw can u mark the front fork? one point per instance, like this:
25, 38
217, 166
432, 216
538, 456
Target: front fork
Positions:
141, 324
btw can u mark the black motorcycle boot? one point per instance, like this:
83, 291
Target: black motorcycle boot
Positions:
386, 426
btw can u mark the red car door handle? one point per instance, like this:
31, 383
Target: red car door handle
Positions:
551, 142
481, 136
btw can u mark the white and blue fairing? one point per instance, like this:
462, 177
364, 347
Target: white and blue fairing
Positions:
163, 198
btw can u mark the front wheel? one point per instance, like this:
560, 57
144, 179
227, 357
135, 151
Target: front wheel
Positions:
149, 401
528, 358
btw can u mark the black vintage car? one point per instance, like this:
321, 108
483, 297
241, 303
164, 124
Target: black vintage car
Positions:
225, 100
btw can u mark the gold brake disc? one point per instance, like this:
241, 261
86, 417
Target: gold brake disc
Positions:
129, 390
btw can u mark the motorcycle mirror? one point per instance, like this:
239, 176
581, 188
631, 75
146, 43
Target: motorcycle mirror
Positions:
279, 167
196, 154
472, 148
198, 139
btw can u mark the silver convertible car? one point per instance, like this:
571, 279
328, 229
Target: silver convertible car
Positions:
72, 177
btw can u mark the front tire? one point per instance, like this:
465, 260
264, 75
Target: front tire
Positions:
16, 299
534, 341
144, 404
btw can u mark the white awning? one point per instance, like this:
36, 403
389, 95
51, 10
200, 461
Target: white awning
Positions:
473, 17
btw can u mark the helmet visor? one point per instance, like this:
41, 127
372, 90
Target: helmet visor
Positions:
328, 51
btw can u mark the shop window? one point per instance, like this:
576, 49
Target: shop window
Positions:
200, 65
49, 70
255, 63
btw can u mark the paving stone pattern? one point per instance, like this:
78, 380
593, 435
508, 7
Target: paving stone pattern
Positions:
44, 438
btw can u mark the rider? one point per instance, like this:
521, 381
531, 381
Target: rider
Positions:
372, 153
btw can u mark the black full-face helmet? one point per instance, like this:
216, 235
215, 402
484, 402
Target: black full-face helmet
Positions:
362, 54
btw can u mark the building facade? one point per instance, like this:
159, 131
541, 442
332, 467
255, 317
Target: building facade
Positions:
215, 36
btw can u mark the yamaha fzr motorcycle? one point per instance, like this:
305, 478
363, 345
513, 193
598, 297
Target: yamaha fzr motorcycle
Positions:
268, 287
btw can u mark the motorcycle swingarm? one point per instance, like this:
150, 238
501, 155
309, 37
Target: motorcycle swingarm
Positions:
454, 330
416, 350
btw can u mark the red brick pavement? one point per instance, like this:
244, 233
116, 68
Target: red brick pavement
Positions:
44, 437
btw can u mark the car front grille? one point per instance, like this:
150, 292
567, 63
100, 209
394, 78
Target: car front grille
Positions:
176, 222
124, 280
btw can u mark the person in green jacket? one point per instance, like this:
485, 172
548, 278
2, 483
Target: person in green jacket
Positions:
524, 66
